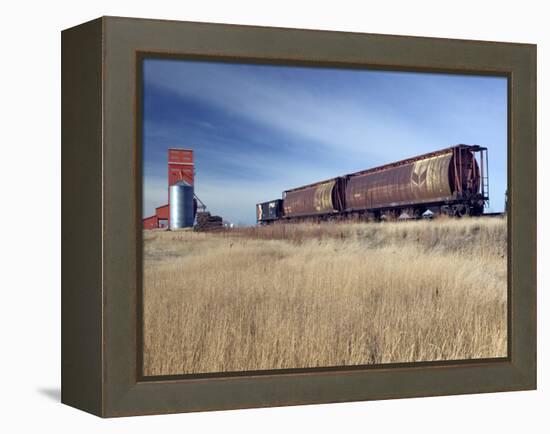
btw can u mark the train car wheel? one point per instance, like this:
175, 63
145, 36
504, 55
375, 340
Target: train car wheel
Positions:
461, 210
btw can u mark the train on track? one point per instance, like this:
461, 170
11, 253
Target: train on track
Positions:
452, 181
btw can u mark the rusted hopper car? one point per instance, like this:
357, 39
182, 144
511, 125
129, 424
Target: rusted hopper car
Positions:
450, 181
321, 198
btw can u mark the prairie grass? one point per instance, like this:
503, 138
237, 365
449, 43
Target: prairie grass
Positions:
307, 295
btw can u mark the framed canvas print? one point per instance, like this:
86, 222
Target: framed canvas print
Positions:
262, 217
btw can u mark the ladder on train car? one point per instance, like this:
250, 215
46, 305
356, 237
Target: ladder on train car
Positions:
484, 160
485, 186
485, 173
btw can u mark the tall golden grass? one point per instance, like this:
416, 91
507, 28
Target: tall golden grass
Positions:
306, 295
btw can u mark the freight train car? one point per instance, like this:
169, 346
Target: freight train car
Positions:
314, 200
267, 212
452, 181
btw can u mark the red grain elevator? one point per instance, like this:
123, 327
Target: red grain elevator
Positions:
181, 167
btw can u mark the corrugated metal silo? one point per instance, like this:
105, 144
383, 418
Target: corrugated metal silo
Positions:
181, 205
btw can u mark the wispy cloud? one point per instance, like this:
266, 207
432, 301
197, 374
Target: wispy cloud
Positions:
295, 106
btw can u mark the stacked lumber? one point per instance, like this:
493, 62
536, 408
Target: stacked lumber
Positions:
207, 222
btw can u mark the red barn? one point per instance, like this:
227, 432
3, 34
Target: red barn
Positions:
151, 222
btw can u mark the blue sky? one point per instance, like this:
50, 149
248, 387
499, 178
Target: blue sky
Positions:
260, 129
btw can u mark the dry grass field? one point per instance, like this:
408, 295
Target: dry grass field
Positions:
305, 295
